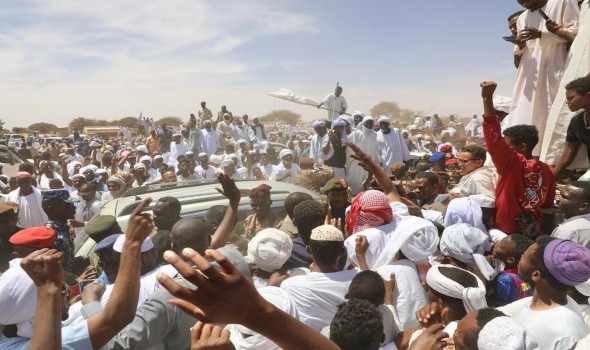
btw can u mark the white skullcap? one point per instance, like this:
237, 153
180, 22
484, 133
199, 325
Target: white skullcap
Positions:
142, 148
203, 154
176, 134
338, 122
269, 249
464, 210
145, 246
358, 113
468, 245
383, 119
93, 144
138, 166
148, 158
327, 233
101, 171
61, 155
285, 152
78, 175
474, 298
502, 103
158, 157
503, 333
189, 153
240, 141
584, 288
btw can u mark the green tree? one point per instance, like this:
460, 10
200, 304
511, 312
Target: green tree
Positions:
18, 130
128, 121
281, 115
44, 128
2, 124
391, 109
169, 121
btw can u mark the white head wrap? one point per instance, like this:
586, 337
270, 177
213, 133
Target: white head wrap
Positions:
240, 141
227, 162
338, 122
467, 244
122, 186
285, 152
473, 298
93, 144
244, 338
71, 165
584, 288
358, 113
101, 171
503, 333
361, 125
142, 148
502, 103
203, 154
138, 166
158, 157
464, 210
215, 159
383, 119
144, 158
318, 123
269, 249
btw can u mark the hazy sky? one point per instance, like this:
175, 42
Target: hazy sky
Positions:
63, 59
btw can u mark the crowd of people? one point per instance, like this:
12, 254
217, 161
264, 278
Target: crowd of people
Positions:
430, 235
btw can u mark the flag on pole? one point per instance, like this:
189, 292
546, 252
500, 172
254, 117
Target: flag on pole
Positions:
289, 95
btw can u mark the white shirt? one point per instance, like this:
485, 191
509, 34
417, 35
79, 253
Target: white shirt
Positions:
18, 297
30, 211
280, 170
480, 181
177, 149
576, 228
338, 104
206, 174
557, 328
317, 295
393, 148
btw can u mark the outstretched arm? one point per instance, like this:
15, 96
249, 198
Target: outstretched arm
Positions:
231, 191
226, 296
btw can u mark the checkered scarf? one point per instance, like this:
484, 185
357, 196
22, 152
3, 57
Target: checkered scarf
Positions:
369, 209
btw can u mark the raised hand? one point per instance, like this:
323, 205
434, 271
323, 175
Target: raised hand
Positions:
45, 267
429, 315
431, 339
224, 296
487, 89
228, 188
140, 224
208, 337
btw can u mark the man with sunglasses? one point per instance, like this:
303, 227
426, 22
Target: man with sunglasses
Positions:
263, 216
475, 177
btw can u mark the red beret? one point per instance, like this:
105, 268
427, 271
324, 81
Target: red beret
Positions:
260, 191
36, 237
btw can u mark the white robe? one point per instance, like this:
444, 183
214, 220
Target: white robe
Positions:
366, 140
578, 65
317, 144
393, 148
177, 149
210, 142
30, 211
335, 105
280, 169
210, 173
541, 66
317, 295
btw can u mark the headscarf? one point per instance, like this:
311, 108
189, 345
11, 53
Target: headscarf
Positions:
361, 125
269, 249
122, 186
318, 123
467, 244
71, 165
473, 298
383, 119
503, 333
285, 152
244, 338
225, 163
338, 122
369, 209
464, 210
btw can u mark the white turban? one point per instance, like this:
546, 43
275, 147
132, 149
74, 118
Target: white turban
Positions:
383, 119
215, 159
285, 152
361, 125
142, 148
502, 103
269, 249
503, 333
467, 244
358, 113
318, 123
464, 210
144, 158
203, 154
346, 118
138, 166
158, 157
338, 122
94, 144
474, 298
226, 163
72, 165
240, 141
244, 338
417, 239
377, 240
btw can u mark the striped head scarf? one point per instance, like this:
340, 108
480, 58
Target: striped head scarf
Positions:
369, 209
